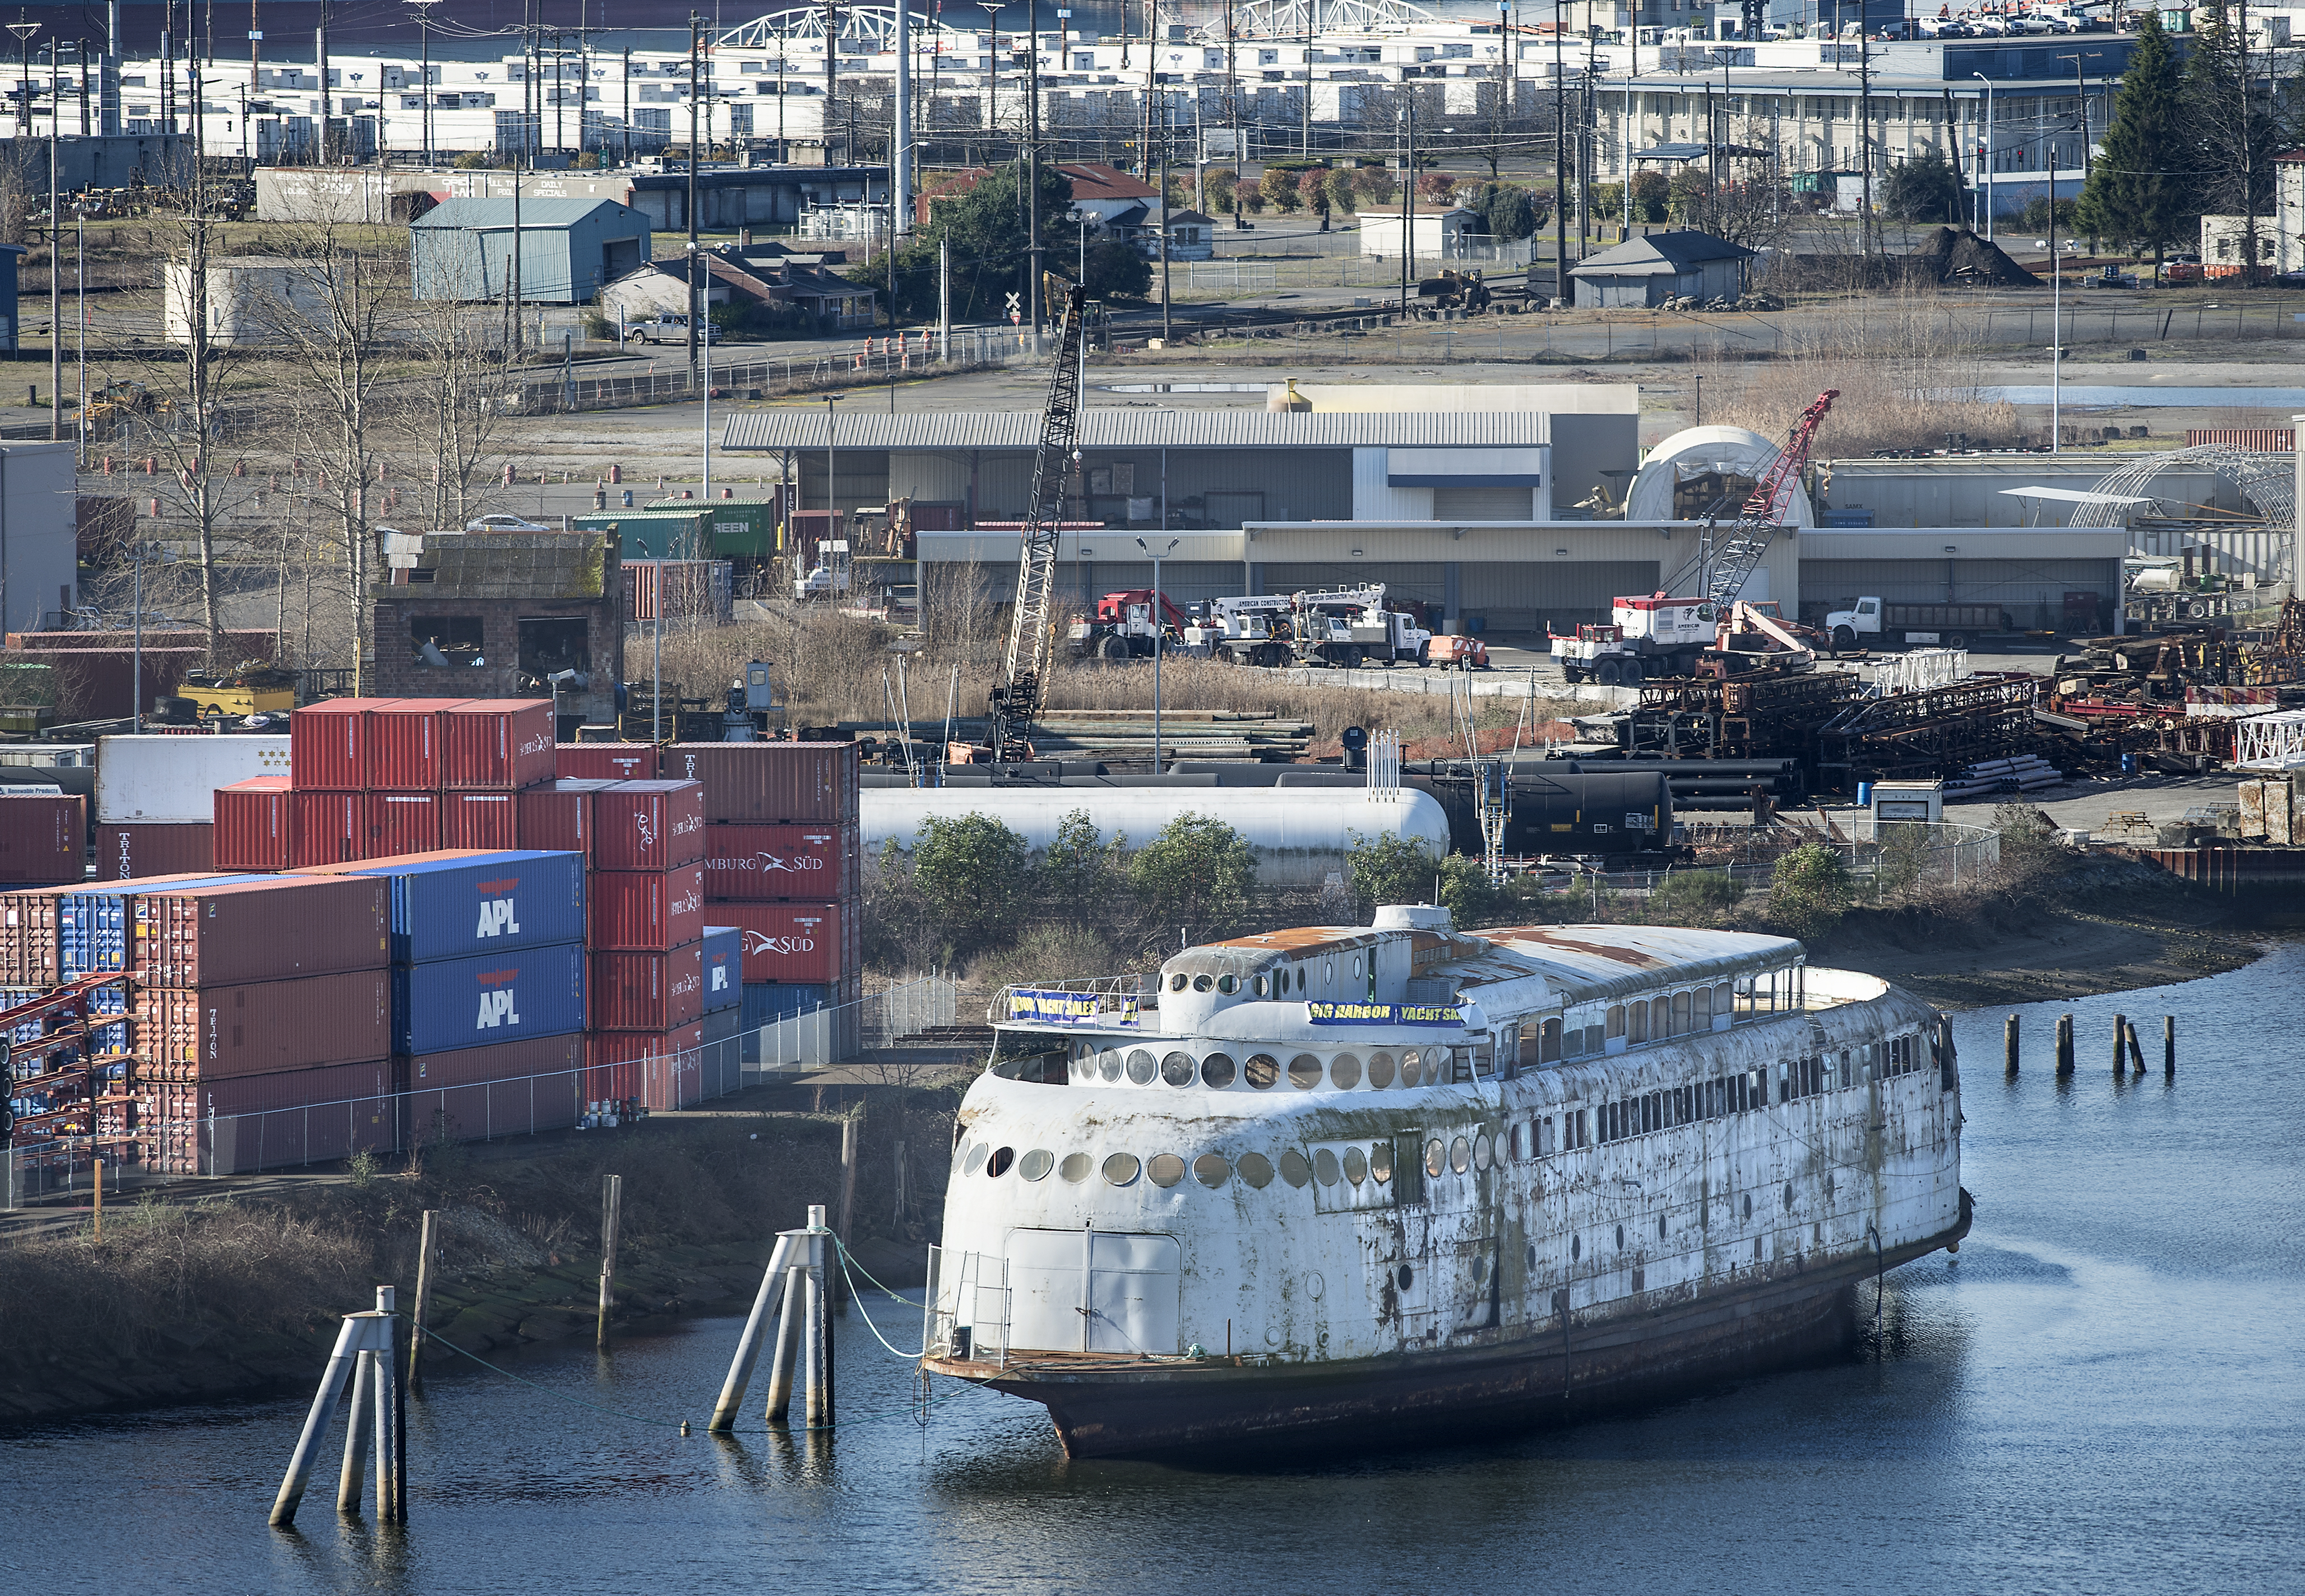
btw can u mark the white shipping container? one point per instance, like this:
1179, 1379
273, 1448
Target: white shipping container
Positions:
173, 780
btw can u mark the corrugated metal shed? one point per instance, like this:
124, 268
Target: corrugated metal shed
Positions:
568, 249
1114, 428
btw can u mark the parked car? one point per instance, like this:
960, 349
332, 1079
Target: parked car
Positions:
506, 523
667, 329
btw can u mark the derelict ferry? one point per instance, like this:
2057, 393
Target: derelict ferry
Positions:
1339, 1176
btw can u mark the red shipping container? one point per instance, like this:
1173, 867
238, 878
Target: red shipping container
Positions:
124, 853
194, 1127
263, 930
254, 828
28, 938
644, 911
327, 827
404, 744
500, 1061
482, 821
608, 762
645, 991
648, 826
812, 944
328, 744
663, 1069
770, 783
401, 823
764, 863
262, 1027
499, 745
559, 815
513, 1088
44, 840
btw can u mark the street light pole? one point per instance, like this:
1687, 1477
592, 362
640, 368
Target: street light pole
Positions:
424, 44
1160, 638
1986, 186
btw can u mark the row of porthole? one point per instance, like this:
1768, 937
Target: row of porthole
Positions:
1212, 1169
1262, 1071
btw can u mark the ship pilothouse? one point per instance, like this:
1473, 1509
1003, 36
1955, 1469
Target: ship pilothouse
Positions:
1348, 1173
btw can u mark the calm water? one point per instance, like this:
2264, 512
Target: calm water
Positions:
2101, 1394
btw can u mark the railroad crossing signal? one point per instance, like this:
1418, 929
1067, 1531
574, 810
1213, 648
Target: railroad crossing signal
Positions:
1014, 314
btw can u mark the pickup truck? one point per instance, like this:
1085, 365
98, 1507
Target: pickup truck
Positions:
1925, 626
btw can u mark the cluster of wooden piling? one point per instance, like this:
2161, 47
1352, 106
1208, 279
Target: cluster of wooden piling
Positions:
364, 1352
2127, 1051
801, 1272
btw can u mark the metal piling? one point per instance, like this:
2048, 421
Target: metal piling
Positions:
2009, 1046
2064, 1044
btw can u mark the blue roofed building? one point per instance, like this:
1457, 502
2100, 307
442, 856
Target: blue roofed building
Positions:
565, 249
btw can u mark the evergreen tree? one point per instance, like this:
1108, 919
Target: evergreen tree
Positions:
2137, 190
991, 247
1924, 189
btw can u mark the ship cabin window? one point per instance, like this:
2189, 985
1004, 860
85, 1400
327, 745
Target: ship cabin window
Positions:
1256, 986
1550, 1045
1700, 1009
1661, 1018
1637, 1022
1228, 984
1616, 1021
1680, 1014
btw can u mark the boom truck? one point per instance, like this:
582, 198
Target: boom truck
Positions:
1713, 632
1338, 626
1124, 627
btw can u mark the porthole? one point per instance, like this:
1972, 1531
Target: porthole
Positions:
1436, 1156
1411, 1069
1300, 978
1380, 1071
1140, 1067
960, 1148
1315, 1287
1355, 1165
1620, 1238
1036, 1164
1108, 1065
1121, 1168
1261, 1071
1002, 1160
1164, 1170
1404, 1277
1481, 1151
1217, 1072
1789, 1196
1461, 1155
1660, 1231
1828, 1188
1480, 1270
1575, 1248
1325, 1166
1513, 1141
1380, 1161
1177, 1069
976, 1160
1256, 986
1357, 966
1748, 1205
1083, 1065
1228, 984
1254, 1169
1176, 982
1294, 1169
1304, 1072
1532, 1256
1344, 1072
1202, 983
1212, 1170
1076, 1167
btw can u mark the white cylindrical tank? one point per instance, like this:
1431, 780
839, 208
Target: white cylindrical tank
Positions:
1300, 834
1695, 450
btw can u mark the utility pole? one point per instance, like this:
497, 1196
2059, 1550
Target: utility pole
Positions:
1865, 137
1164, 220
1407, 192
696, 261
901, 153
831, 75
1560, 167
1033, 167
1232, 112
424, 46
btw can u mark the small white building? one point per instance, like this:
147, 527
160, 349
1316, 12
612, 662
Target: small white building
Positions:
2224, 246
1436, 230
38, 557
251, 298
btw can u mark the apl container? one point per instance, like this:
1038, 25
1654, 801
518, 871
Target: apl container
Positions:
328, 744
810, 943
765, 863
648, 826
327, 827
648, 992
724, 969
559, 814
43, 839
254, 827
479, 820
608, 762
263, 1026
770, 783
263, 928
646, 911
124, 853
452, 1003
149, 780
404, 744
454, 904
401, 823
498, 744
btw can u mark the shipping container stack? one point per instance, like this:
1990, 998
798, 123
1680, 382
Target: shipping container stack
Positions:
154, 809
43, 839
783, 864
646, 914
487, 985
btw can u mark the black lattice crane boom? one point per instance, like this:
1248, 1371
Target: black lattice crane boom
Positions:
1016, 700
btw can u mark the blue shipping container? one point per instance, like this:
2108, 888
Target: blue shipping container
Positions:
92, 927
507, 997
496, 903
767, 1001
724, 968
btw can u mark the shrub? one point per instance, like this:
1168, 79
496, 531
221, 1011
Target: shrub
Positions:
1043, 954
971, 873
1279, 187
1377, 185
1343, 192
1217, 191
1695, 898
1198, 871
1809, 891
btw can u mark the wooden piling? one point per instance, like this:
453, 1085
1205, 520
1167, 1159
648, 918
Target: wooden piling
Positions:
2136, 1052
851, 1130
2009, 1046
99, 1202
2120, 1036
389, 1451
2168, 1044
817, 1342
357, 1435
316, 1423
612, 1198
787, 1355
2064, 1044
423, 1307
748, 1345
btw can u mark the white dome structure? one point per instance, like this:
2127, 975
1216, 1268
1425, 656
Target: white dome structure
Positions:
1732, 451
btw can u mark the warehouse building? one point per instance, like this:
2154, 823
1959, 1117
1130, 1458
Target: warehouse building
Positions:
563, 250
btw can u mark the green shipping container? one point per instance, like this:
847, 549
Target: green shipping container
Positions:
692, 530
741, 527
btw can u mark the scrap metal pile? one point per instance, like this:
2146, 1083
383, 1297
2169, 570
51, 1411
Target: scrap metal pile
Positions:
1735, 717
1931, 732
2174, 696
